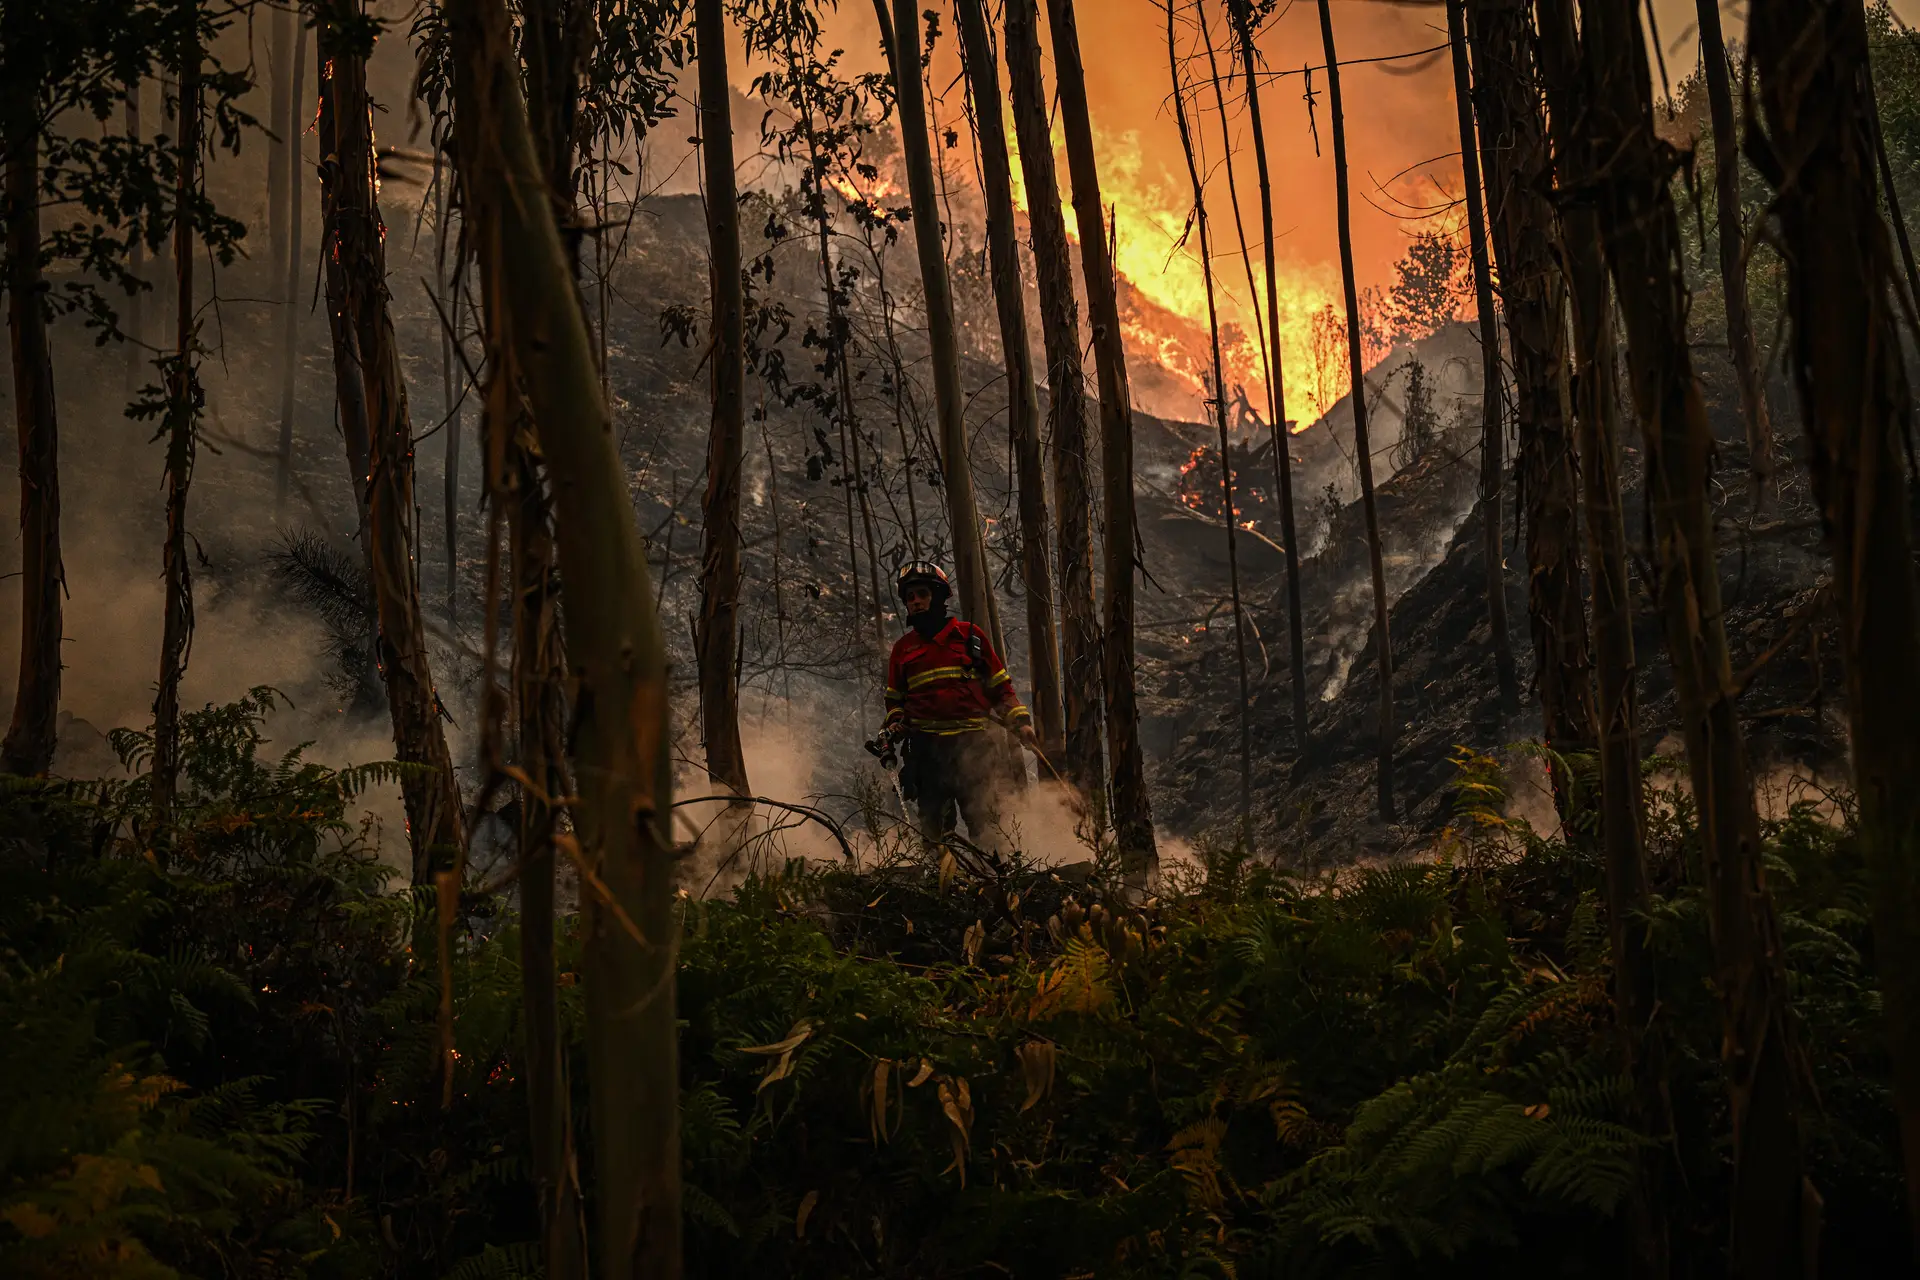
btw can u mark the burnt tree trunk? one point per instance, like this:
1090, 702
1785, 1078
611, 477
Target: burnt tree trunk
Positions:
1201, 224
373, 397
1066, 402
1842, 291
290, 319
183, 392
1730, 230
969, 556
1615, 713
29, 744
1774, 1209
1356, 367
1493, 476
1023, 402
1276, 386
1132, 808
1520, 226
718, 632
615, 653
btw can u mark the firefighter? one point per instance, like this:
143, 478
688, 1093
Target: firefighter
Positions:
945, 686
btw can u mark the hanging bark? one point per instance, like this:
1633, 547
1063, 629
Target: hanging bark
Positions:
373, 398
1132, 808
901, 31
1730, 231
615, 652
29, 744
1615, 712
1520, 228
1842, 290
1201, 225
1356, 368
1240, 12
1774, 1208
1066, 403
290, 318
1493, 476
283, 29
1023, 402
182, 412
717, 635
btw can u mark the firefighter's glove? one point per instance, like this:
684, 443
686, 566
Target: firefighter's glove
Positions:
881, 748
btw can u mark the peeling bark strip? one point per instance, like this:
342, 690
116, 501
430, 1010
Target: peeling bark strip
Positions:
1520, 228
1730, 231
1774, 1208
1220, 414
901, 31
1492, 393
373, 399
1023, 403
1066, 402
622, 765
1382, 643
1842, 290
183, 391
1276, 384
36, 702
1615, 714
1132, 809
717, 635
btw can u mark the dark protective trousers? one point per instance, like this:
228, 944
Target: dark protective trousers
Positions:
954, 775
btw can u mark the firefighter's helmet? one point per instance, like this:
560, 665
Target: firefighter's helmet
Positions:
923, 573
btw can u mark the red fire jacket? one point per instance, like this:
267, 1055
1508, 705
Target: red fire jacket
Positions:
935, 686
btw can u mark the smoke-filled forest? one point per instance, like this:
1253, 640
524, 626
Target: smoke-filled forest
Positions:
1037, 638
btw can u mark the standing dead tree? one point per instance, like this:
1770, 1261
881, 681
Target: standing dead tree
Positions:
373, 405
1493, 428
1615, 714
717, 635
1521, 229
1241, 14
29, 744
180, 424
298, 117
1774, 1208
901, 32
1198, 222
1023, 402
536, 333
1066, 401
1363, 453
1730, 231
1820, 154
1131, 806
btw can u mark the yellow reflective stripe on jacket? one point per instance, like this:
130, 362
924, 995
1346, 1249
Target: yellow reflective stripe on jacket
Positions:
998, 678
1017, 714
967, 725
922, 679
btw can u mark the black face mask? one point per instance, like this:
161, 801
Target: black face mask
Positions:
929, 623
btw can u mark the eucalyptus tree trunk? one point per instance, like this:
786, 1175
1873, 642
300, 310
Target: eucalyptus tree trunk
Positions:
717, 635
1730, 231
1023, 403
1220, 417
1493, 475
1774, 1208
138, 361
615, 652
373, 399
969, 557
1521, 227
1615, 715
1132, 808
290, 318
1066, 402
1856, 402
29, 744
1240, 12
1363, 451
182, 413
283, 108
